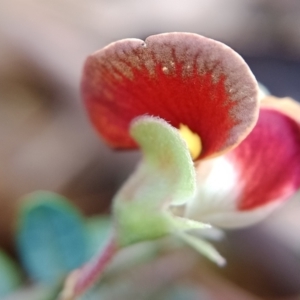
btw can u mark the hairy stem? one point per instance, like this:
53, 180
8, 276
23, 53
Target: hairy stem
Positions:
82, 279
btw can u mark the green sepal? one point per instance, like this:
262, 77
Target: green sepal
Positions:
182, 224
203, 247
137, 222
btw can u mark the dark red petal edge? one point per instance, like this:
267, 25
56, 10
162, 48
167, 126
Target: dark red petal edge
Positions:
180, 77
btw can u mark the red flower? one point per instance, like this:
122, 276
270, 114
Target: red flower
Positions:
206, 90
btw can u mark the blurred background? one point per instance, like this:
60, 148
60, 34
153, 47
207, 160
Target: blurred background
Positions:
46, 141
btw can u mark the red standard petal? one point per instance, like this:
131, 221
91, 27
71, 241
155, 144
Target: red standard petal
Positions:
181, 77
268, 161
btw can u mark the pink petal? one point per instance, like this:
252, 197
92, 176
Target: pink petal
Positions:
182, 78
243, 186
286, 105
269, 160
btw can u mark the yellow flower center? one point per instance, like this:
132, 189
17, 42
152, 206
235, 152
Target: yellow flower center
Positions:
192, 139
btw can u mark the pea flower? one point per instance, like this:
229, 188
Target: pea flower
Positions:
205, 90
213, 152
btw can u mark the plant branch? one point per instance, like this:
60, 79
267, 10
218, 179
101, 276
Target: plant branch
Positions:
82, 279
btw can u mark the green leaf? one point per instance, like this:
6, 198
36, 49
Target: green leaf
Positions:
203, 247
51, 237
98, 231
35, 292
166, 174
10, 275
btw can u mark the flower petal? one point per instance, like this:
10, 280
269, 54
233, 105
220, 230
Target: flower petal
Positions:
286, 105
183, 78
243, 186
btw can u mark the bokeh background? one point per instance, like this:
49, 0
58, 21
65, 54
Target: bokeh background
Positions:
46, 141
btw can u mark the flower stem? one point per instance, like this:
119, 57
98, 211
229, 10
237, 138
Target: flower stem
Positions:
82, 279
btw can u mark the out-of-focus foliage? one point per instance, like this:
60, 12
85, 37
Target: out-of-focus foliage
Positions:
52, 237
98, 229
10, 275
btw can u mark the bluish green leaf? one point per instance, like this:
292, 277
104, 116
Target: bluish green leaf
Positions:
35, 292
10, 275
98, 231
51, 237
